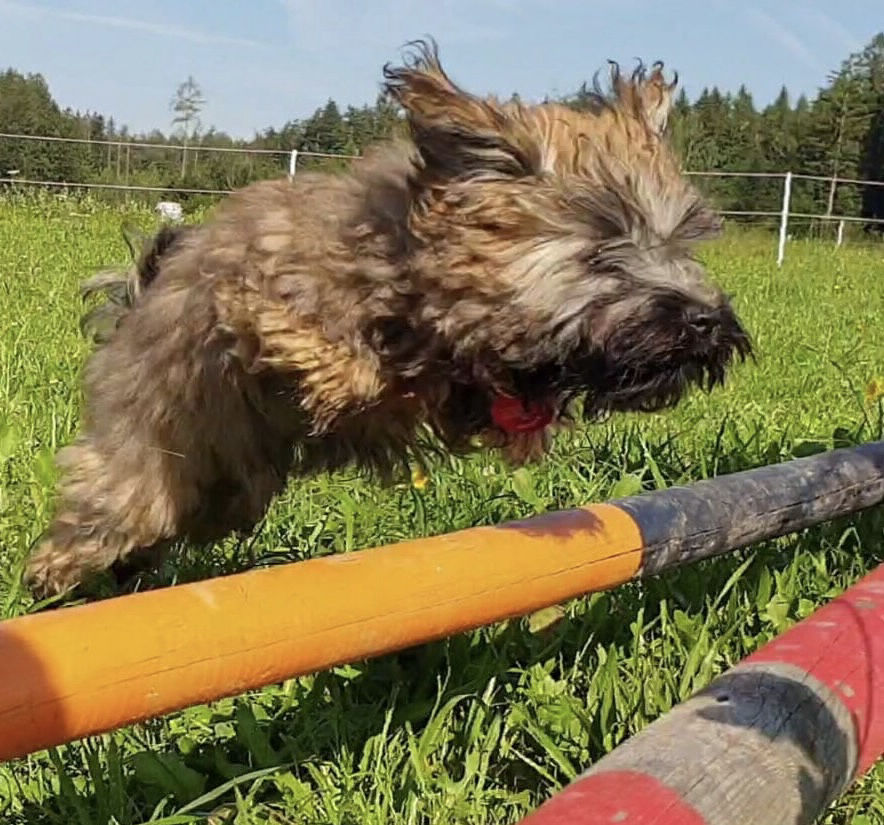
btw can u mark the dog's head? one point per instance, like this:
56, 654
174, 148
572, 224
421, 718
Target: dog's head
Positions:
555, 249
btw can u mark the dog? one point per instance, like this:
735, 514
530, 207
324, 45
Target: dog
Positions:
460, 287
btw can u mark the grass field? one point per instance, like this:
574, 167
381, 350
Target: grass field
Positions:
482, 727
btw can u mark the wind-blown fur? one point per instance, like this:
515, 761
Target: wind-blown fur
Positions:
495, 249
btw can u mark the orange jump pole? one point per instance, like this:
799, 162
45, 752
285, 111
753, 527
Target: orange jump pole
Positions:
84, 670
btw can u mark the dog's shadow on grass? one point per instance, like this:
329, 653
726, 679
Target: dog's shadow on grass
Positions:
369, 704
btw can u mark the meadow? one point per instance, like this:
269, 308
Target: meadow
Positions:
480, 728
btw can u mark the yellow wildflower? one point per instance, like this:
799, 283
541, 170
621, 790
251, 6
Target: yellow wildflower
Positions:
874, 390
419, 479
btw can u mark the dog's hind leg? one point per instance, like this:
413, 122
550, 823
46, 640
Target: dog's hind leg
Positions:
107, 509
171, 448
129, 504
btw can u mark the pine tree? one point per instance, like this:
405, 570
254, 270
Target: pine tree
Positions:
871, 161
187, 105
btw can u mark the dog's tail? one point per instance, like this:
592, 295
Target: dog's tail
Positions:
123, 287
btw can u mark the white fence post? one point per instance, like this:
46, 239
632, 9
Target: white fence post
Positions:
840, 233
293, 163
784, 218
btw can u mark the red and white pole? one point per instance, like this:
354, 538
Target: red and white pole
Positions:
775, 739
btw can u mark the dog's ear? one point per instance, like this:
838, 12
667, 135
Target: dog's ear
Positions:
648, 95
657, 98
458, 135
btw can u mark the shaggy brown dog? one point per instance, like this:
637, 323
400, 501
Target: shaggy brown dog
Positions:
499, 251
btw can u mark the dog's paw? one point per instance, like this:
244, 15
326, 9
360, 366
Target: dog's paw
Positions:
52, 571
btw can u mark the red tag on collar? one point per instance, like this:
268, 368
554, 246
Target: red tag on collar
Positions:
512, 416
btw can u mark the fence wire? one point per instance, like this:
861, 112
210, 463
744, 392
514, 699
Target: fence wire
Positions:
13, 178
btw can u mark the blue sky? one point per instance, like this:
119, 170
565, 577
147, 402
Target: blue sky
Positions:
261, 62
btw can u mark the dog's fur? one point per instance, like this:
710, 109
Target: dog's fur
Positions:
497, 249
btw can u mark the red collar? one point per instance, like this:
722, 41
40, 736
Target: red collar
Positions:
512, 416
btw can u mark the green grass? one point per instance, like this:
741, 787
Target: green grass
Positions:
482, 727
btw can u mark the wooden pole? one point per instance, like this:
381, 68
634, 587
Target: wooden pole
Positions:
75, 672
773, 741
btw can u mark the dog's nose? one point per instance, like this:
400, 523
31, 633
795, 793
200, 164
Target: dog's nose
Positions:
705, 320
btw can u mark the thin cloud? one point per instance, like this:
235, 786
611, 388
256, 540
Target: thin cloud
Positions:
827, 23
160, 29
785, 37
315, 24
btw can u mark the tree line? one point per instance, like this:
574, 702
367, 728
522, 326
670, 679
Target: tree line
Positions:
839, 132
